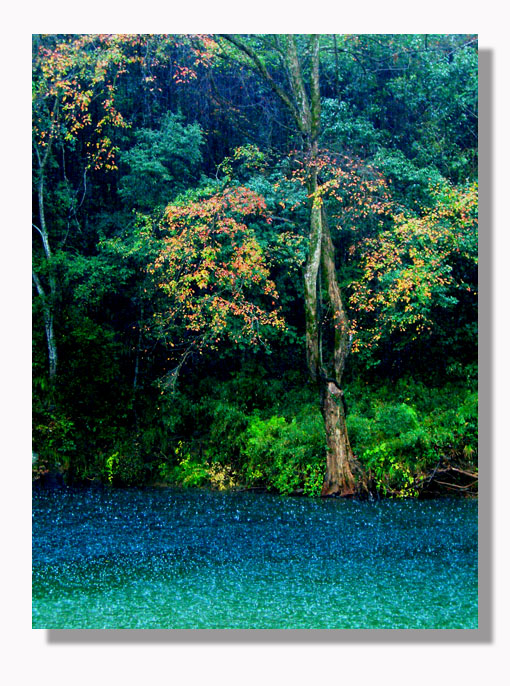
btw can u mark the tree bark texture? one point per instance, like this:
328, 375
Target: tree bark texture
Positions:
339, 479
340, 463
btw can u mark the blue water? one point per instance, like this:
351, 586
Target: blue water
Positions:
170, 559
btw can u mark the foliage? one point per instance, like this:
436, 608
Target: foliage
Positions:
411, 93
343, 128
418, 267
227, 428
401, 432
208, 271
391, 475
162, 164
69, 76
54, 441
187, 472
125, 466
171, 230
285, 455
190, 471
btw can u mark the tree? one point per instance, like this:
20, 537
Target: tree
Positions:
74, 86
76, 103
161, 164
302, 98
213, 277
425, 264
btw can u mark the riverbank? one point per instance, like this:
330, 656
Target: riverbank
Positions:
445, 480
409, 439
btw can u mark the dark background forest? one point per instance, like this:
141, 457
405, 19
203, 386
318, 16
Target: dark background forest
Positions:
170, 237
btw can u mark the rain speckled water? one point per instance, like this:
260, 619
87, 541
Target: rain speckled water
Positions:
169, 559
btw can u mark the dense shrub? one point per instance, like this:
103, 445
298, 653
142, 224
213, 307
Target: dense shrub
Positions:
54, 442
254, 430
401, 432
225, 435
285, 455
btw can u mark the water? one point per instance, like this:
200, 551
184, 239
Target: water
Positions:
169, 559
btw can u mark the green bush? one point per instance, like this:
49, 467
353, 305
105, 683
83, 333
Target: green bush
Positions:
125, 466
285, 455
161, 163
226, 431
189, 471
54, 442
391, 473
400, 432
193, 471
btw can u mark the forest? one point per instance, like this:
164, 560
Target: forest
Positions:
255, 262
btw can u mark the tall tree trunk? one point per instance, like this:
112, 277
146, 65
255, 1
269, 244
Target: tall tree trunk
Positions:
48, 298
338, 479
48, 328
340, 465
335, 50
325, 366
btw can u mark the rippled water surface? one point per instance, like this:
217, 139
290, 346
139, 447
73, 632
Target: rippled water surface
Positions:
166, 559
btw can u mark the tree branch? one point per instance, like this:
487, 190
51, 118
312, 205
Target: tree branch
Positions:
38, 285
262, 70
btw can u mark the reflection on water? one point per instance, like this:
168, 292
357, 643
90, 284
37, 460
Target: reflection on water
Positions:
168, 559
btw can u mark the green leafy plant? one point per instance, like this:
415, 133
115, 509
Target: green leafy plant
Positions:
188, 472
392, 476
111, 465
399, 442
54, 443
162, 162
285, 455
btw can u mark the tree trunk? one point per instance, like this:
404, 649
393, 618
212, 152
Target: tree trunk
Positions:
325, 365
338, 479
48, 328
48, 298
340, 463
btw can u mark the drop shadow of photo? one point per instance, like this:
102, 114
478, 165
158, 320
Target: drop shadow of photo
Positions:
484, 633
